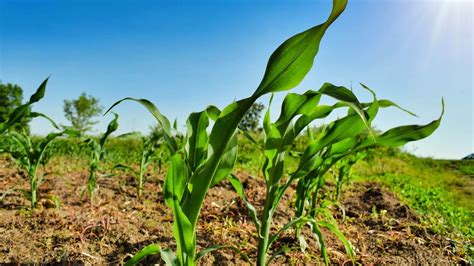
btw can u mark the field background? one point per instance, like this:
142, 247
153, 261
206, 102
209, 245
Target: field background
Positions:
397, 209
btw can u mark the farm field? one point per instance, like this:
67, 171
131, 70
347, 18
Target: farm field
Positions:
286, 173
385, 221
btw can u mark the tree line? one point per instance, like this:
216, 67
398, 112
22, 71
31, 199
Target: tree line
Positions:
82, 111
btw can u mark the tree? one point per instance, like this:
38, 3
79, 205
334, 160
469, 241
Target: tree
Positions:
251, 119
11, 96
81, 111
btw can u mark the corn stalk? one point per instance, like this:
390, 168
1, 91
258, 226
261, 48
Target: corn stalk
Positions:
97, 154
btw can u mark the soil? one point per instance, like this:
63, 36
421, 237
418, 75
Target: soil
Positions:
381, 229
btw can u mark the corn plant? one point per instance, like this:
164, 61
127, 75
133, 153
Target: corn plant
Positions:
28, 155
206, 159
148, 150
297, 112
341, 138
97, 154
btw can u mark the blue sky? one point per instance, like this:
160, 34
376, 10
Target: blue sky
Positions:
184, 55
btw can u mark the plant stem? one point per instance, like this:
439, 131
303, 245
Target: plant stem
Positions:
33, 186
140, 182
33, 193
263, 241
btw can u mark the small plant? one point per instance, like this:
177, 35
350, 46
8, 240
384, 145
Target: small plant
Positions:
343, 138
148, 149
29, 154
339, 140
97, 154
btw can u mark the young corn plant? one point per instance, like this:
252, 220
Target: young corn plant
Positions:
149, 147
342, 138
207, 158
97, 154
28, 155
297, 112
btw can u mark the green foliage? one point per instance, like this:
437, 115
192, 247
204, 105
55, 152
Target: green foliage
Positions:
28, 155
97, 154
437, 208
436, 189
11, 96
206, 158
344, 137
340, 139
81, 111
252, 117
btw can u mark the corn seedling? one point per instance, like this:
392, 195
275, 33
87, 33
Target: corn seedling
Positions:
148, 150
28, 155
206, 159
97, 154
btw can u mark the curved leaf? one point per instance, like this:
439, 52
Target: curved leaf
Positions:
143, 253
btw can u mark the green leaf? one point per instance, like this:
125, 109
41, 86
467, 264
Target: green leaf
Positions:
184, 235
174, 187
333, 228
240, 191
123, 167
36, 114
294, 222
39, 94
213, 112
222, 132
169, 257
293, 59
175, 181
197, 139
384, 103
319, 235
164, 122
113, 125
228, 159
345, 95
143, 253
399, 136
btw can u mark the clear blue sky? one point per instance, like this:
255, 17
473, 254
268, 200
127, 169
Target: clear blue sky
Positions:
184, 55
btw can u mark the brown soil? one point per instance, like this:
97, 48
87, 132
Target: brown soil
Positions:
381, 229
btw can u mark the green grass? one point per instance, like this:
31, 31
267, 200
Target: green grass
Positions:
441, 191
